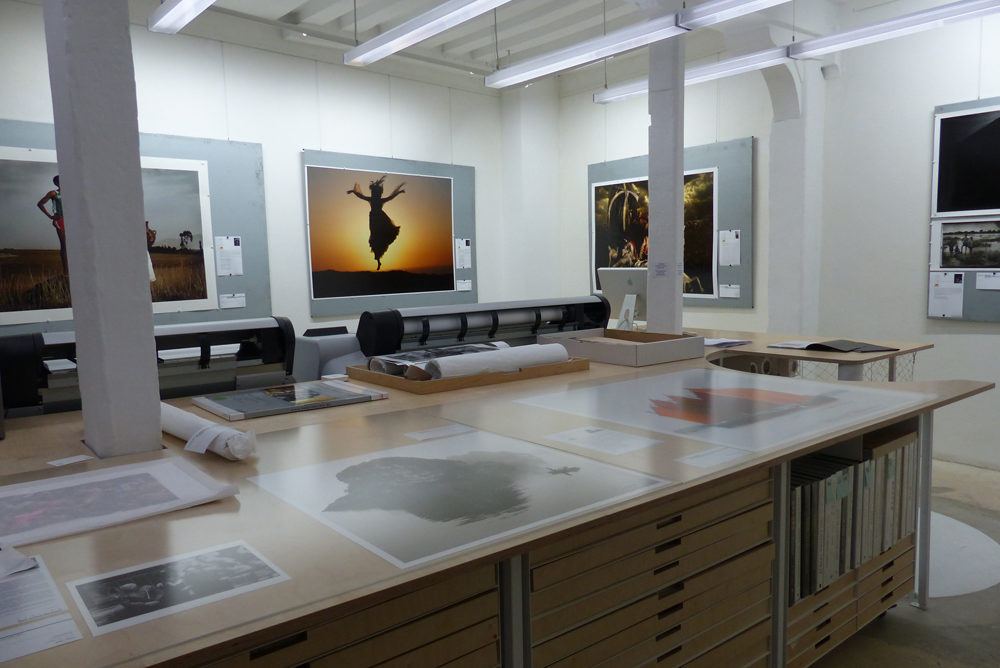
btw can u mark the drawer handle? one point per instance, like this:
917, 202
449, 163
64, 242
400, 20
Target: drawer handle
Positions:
820, 606
886, 597
822, 642
888, 565
887, 580
675, 588
277, 645
825, 622
667, 655
669, 545
661, 569
669, 611
668, 632
673, 520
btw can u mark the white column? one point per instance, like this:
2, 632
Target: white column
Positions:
97, 140
664, 283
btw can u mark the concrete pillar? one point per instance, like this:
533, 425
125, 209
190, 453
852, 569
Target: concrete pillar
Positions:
664, 283
97, 141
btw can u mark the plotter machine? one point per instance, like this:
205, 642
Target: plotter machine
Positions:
38, 371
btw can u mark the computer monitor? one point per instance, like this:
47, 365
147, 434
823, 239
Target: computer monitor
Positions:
616, 283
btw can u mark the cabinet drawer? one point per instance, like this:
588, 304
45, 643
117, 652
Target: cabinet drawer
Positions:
612, 549
846, 616
818, 649
878, 562
867, 613
310, 642
748, 646
455, 631
751, 567
900, 568
669, 561
815, 609
721, 499
669, 626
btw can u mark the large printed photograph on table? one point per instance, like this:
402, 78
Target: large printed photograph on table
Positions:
34, 276
620, 214
377, 233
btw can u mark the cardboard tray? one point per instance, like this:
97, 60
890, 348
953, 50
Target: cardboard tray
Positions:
615, 346
461, 382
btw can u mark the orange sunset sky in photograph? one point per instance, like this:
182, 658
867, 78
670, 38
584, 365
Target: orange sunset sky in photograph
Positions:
338, 221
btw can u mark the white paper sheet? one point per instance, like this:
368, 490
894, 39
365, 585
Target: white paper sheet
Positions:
945, 294
463, 253
235, 300
206, 436
29, 595
988, 280
69, 460
463, 285
36, 636
42, 509
729, 248
228, 256
729, 291
609, 441
12, 561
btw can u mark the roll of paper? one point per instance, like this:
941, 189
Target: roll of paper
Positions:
206, 436
509, 359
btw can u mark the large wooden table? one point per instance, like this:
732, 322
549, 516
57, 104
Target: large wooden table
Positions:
334, 582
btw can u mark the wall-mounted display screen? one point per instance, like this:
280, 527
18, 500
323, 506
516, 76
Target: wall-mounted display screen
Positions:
967, 162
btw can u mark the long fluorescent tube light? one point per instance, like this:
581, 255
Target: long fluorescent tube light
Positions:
625, 39
419, 28
748, 63
172, 15
885, 30
895, 27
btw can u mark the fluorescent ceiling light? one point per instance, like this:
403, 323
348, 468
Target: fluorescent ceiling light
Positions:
710, 13
419, 28
625, 39
172, 15
896, 27
622, 91
818, 46
724, 68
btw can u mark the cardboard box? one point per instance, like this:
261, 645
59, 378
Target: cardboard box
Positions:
461, 382
616, 346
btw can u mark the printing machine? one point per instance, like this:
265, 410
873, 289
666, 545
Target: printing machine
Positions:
38, 371
520, 322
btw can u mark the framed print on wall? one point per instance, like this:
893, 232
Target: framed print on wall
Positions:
382, 232
34, 282
966, 160
718, 207
620, 211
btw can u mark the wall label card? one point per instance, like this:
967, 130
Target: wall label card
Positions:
988, 280
729, 248
944, 299
228, 256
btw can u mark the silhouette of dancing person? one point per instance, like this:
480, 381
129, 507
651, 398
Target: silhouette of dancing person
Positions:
55, 196
381, 230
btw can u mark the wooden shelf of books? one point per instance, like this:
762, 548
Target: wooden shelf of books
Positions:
852, 519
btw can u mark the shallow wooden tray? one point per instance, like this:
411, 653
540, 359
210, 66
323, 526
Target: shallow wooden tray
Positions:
460, 382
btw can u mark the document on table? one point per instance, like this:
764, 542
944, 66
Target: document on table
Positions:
32, 614
726, 343
944, 299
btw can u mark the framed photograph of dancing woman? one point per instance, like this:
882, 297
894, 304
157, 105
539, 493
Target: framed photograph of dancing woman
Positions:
384, 230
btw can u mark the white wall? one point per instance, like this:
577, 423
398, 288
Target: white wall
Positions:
879, 127
190, 86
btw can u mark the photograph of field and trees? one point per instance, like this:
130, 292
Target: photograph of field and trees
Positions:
621, 228
378, 233
970, 245
33, 268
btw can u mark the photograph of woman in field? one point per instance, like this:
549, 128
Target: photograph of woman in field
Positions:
397, 239
33, 271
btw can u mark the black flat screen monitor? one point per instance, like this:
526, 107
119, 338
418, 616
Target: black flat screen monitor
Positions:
967, 162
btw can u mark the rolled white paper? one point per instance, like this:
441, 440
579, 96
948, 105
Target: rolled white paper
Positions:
206, 436
509, 359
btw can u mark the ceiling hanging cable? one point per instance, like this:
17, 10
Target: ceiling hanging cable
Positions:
605, 9
356, 23
496, 39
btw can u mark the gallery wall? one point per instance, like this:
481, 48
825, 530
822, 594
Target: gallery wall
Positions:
189, 86
877, 204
